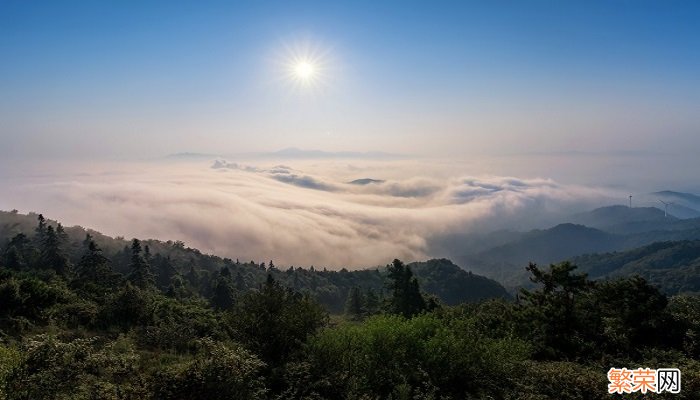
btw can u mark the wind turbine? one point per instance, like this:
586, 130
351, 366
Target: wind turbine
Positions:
630, 201
666, 207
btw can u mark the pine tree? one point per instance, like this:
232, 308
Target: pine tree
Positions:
164, 270
19, 252
406, 298
371, 302
141, 275
192, 277
239, 281
93, 271
40, 230
354, 305
224, 295
52, 252
13, 259
61, 234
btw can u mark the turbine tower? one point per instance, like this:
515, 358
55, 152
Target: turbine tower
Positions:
630, 201
666, 207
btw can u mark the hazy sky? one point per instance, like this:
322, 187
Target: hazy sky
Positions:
508, 114
143, 79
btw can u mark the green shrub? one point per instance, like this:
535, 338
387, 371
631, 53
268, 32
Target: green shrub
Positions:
217, 372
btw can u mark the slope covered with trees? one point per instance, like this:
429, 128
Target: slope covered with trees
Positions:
672, 266
75, 327
186, 271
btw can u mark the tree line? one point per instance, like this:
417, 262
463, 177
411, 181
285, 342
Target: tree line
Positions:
79, 328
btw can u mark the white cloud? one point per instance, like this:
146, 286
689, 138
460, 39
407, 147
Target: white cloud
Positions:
306, 214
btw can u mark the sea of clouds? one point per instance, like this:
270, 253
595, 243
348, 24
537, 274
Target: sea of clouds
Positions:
296, 212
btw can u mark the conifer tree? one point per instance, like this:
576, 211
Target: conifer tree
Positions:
141, 275
224, 294
19, 252
40, 230
52, 255
354, 307
164, 270
371, 302
406, 298
93, 271
239, 281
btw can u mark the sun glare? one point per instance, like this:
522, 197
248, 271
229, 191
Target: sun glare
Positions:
304, 70
306, 66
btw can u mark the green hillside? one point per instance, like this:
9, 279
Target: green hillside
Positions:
672, 266
173, 262
159, 321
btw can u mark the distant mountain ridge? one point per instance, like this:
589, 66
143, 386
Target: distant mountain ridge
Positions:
606, 229
293, 152
506, 263
289, 153
682, 205
618, 216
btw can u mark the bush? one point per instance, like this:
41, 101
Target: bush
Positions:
9, 359
79, 369
217, 372
425, 354
560, 380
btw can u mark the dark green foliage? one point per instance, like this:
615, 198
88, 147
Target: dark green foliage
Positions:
216, 372
177, 325
674, 267
560, 380
685, 310
557, 311
126, 307
164, 271
274, 322
189, 326
19, 253
167, 260
406, 298
224, 294
52, 253
40, 230
94, 276
9, 360
80, 369
372, 302
141, 274
453, 285
424, 356
354, 307
634, 316
570, 317
28, 300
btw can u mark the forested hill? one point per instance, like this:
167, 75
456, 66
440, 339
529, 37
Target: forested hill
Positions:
192, 273
158, 321
674, 267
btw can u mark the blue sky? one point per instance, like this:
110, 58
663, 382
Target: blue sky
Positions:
144, 79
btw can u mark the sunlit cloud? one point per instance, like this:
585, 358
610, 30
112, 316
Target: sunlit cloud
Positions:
299, 214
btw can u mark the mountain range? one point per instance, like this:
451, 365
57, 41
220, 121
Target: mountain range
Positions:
602, 235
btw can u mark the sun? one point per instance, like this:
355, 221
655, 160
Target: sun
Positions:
306, 66
304, 70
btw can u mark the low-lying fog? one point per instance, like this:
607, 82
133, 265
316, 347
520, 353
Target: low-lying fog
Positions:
335, 212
